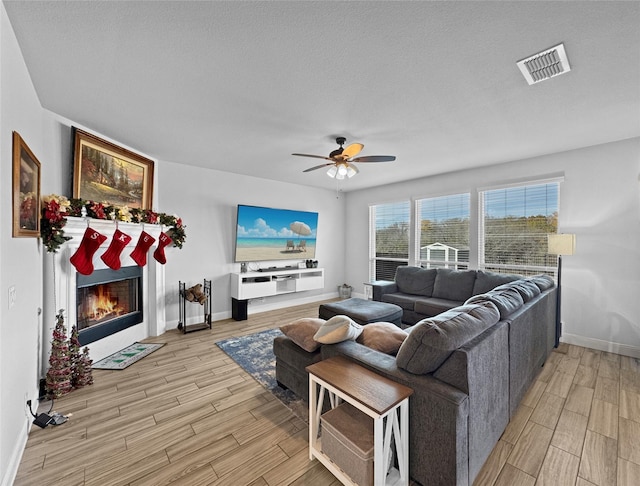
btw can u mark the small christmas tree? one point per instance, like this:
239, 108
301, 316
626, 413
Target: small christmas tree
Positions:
58, 379
83, 375
74, 355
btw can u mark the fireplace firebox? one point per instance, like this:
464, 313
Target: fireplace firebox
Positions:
108, 301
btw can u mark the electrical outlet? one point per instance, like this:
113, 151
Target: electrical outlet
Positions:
12, 296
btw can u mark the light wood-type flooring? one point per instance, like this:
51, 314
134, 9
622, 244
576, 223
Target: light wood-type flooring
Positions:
187, 414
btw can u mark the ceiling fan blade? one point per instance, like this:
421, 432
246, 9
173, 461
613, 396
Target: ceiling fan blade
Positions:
314, 156
316, 167
374, 158
352, 150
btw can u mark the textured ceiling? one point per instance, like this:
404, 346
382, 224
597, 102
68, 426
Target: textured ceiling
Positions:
239, 86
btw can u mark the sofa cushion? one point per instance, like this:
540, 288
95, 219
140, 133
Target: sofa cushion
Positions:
302, 331
430, 306
405, 301
453, 284
385, 337
431, 341
544, 282
337, 329
415, 280
486, 281
527, 289
507, 300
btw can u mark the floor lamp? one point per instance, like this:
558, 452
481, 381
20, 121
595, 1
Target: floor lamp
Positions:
560, 244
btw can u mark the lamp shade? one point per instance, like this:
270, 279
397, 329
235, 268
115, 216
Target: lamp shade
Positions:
561, 244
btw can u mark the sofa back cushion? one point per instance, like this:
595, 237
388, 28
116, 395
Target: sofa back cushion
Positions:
527, 289
454, 284
431, 341
544, 282
486, 281
507, 300
415, 280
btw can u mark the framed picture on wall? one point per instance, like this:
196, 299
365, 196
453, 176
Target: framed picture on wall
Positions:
26, 190
104, 172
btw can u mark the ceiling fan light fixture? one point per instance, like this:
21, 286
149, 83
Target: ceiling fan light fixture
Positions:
333, 171
351, 171
342, 170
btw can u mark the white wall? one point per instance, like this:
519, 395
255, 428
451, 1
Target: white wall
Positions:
207, 200
599, 202
20, 259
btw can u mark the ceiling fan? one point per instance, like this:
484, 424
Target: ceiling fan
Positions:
341, 159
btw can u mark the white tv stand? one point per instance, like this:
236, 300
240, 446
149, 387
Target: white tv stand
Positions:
253, 285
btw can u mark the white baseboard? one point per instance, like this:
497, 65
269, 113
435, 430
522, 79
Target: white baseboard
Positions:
256, 307
600, 345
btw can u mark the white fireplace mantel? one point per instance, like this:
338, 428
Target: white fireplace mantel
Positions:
153, 286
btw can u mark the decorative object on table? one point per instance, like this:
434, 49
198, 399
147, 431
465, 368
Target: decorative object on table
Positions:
127, 356
560, 244
58, 378
112, 256
254, 354
82, 259
344, 291
103, 171
198, 294
158, 254
26, 190
139, 253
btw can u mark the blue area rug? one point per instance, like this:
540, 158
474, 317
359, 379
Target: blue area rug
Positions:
254, 354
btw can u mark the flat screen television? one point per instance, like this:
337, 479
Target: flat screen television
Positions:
265, 234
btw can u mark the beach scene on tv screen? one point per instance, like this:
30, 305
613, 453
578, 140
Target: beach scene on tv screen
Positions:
265, 234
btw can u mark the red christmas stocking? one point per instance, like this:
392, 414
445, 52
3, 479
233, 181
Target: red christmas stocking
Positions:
112, 256
164, 240
82, 259
139, 253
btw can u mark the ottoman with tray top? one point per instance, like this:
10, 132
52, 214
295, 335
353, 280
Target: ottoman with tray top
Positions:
362, 311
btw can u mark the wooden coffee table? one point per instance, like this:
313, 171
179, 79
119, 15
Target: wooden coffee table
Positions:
374, 395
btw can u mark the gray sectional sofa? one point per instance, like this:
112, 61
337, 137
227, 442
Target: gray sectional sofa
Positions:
425, 292
469, 367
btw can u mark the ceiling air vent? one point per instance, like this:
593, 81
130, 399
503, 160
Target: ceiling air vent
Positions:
545, 64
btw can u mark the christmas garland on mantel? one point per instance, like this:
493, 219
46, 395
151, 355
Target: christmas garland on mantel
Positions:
55, 210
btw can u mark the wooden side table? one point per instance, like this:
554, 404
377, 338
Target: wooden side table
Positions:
386, 401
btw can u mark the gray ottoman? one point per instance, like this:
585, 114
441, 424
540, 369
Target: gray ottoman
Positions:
362, 311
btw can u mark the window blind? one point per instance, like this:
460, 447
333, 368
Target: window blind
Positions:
389, 238
514, 223
443, 231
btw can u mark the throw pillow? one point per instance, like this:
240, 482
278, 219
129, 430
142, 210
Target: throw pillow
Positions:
382, 336
302, 331
337, 329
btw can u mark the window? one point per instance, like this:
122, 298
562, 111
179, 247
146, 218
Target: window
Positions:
389, 226
443, 231
514, 223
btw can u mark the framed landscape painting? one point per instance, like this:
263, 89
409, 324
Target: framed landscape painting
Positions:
26, 190
104, 172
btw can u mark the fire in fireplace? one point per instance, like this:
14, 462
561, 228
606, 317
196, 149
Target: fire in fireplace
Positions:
108, 301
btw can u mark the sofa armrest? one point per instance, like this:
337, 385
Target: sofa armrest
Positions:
438, 416
381, 287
